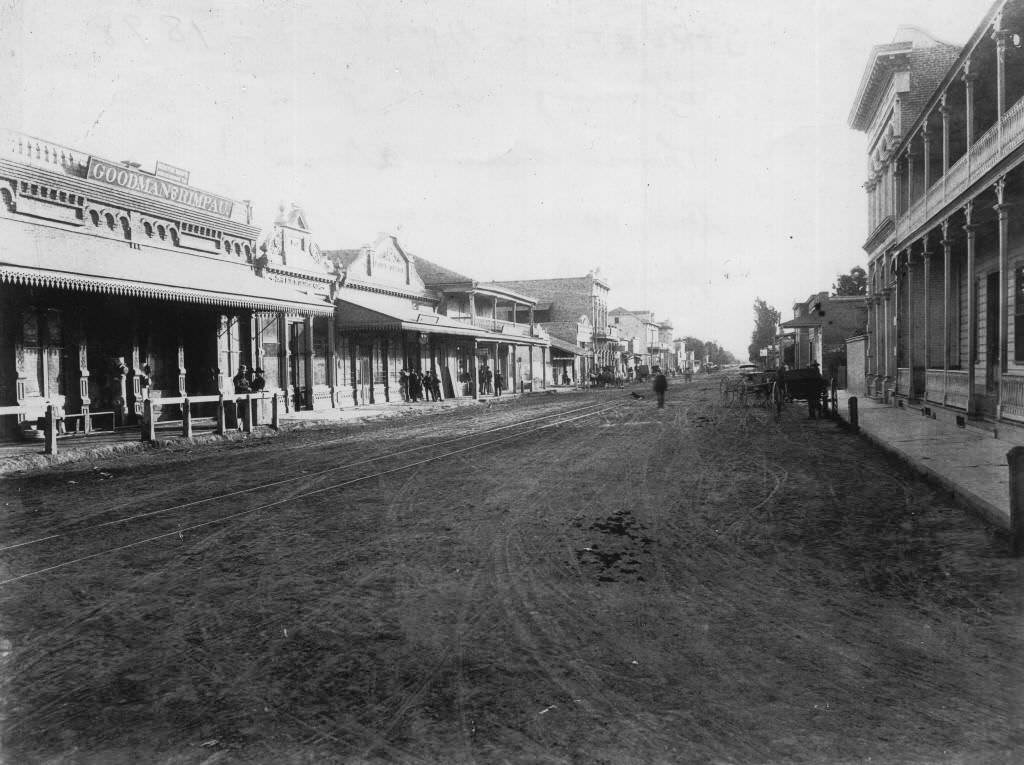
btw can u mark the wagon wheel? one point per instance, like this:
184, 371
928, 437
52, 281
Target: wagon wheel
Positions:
723, 390
833, 398
775, 399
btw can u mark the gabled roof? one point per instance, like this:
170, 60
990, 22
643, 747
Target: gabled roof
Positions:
883, 62
433, 274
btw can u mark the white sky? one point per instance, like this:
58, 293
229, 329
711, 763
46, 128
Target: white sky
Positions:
697, 152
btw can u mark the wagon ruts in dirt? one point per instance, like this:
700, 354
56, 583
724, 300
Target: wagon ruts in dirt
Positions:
805, 384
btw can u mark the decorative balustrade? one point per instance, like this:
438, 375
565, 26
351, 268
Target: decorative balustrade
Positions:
984, 154
498, 325
984, 151
1013, 124
956, 389
1011, 397
38, 153
935, 385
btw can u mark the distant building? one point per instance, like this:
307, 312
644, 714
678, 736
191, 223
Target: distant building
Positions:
564, 306
818, 332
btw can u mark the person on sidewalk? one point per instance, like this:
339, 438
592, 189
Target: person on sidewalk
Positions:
660, 386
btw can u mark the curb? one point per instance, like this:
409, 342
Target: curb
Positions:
981, 507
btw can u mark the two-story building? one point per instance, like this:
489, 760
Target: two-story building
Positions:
119, 284
945, 127
565, 306
398, 311
818, 332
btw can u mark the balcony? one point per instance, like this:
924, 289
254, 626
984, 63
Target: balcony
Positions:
498, 325
988, 150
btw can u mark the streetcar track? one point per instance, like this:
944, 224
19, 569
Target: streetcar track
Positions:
180, 530
284, 481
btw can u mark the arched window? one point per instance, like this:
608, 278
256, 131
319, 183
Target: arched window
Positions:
174, 237
148, 227
238, 249
126, 229
161, 232
94, 217
8, 199
248, 252
109, 220
227, 247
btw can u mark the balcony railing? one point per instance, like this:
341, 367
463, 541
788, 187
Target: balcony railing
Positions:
1011, 397
983, 155
499, 325
935, 386
903, 381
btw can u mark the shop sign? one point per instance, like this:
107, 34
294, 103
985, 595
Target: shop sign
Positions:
171, 173
160, 188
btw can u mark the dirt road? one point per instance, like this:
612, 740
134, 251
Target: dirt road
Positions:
621, 584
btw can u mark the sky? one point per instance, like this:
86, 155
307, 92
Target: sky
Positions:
696, 152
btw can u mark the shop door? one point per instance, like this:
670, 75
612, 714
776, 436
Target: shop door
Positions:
992, 334
299, 348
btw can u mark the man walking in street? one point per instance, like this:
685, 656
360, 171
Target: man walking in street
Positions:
660, 386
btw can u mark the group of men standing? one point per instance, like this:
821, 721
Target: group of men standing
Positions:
419, 386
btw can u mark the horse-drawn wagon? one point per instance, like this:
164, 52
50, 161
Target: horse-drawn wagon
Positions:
806, 384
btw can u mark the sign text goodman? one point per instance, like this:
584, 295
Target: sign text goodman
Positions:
133, 180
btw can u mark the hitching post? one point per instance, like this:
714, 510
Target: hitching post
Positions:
186, 418
148, 425
50, 431
854, 420
1015, 457
275, 416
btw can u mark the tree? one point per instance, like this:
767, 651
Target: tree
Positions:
766, 321
853, 283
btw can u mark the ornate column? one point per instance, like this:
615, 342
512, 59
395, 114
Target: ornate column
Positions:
969, 77
926, 142
926, 255
283, 360
331, 362
897, 182
944, 112
181, 363
135, 370
910, 175
474, 372
887, 334
947, 275
1000, 36
910, 336
307, 360
972, 310
82, 353
1002, 209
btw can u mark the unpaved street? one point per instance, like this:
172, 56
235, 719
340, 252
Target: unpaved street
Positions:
698, 584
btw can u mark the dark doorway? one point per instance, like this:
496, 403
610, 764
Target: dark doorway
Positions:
298, 352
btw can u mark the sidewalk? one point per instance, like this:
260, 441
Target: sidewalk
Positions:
969, 461
29, 455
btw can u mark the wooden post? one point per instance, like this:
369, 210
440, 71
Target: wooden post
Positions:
1015, 458
148, 425
186, 418
221, 419
275, 416
51, 430
854, 417
247, 414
